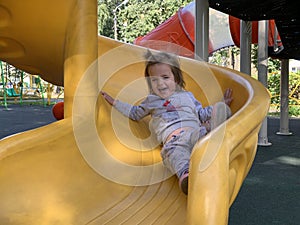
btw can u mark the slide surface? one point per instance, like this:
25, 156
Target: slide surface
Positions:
95, 166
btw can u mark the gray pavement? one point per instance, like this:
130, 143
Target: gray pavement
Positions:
17, 118
270, 195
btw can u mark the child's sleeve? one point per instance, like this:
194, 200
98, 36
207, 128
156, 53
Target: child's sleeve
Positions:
203, 113
131, 111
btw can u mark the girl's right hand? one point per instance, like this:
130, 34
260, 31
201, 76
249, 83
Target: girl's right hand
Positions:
108, 98
228, 96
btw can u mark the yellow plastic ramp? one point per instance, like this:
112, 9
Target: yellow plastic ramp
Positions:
95, 166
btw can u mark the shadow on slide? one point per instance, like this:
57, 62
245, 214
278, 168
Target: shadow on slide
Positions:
97, 167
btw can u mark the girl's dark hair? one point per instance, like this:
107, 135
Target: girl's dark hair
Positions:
165, 58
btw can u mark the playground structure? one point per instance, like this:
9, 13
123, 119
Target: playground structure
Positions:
16, 84
13, 84
64, 178
225, 32
9, 88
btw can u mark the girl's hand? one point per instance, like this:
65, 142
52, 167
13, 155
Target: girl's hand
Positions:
207, 126
228, 96
108, 98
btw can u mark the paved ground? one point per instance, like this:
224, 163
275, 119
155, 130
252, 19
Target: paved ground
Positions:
270, 194
18, 118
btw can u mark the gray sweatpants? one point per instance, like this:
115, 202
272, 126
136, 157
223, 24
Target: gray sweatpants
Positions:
177, 151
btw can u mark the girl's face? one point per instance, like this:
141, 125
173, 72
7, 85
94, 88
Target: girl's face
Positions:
162, 80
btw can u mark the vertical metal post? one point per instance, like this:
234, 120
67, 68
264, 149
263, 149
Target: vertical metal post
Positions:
245, 46
262, 60
201, 29
115, 24
4, 86
40, 85
115, 18
284, 98
21, 87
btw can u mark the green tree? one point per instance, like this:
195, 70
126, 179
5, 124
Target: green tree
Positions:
105, 17
294, 91
138, 17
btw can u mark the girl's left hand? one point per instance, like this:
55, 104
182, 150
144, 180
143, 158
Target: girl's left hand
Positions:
228, 96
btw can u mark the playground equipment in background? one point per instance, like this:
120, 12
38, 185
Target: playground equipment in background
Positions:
16, 88
224, 32
11, 90
274, 41
57, 180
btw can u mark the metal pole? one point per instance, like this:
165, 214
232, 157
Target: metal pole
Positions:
21, 87
115, 24
284, 98
41, 90
115, 17
262, 60
3, 84
201, 29
245, 46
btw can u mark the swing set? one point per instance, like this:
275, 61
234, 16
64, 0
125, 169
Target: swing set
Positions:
12, 84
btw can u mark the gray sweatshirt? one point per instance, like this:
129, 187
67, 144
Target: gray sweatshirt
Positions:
167, 115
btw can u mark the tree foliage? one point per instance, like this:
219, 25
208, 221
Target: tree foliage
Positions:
105, 17
136, 17
294, 91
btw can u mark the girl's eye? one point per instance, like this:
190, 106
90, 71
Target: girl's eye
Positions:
166, 77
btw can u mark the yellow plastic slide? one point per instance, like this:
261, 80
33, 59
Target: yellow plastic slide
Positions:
95, 166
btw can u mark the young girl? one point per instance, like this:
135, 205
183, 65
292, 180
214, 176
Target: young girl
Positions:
177, 118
